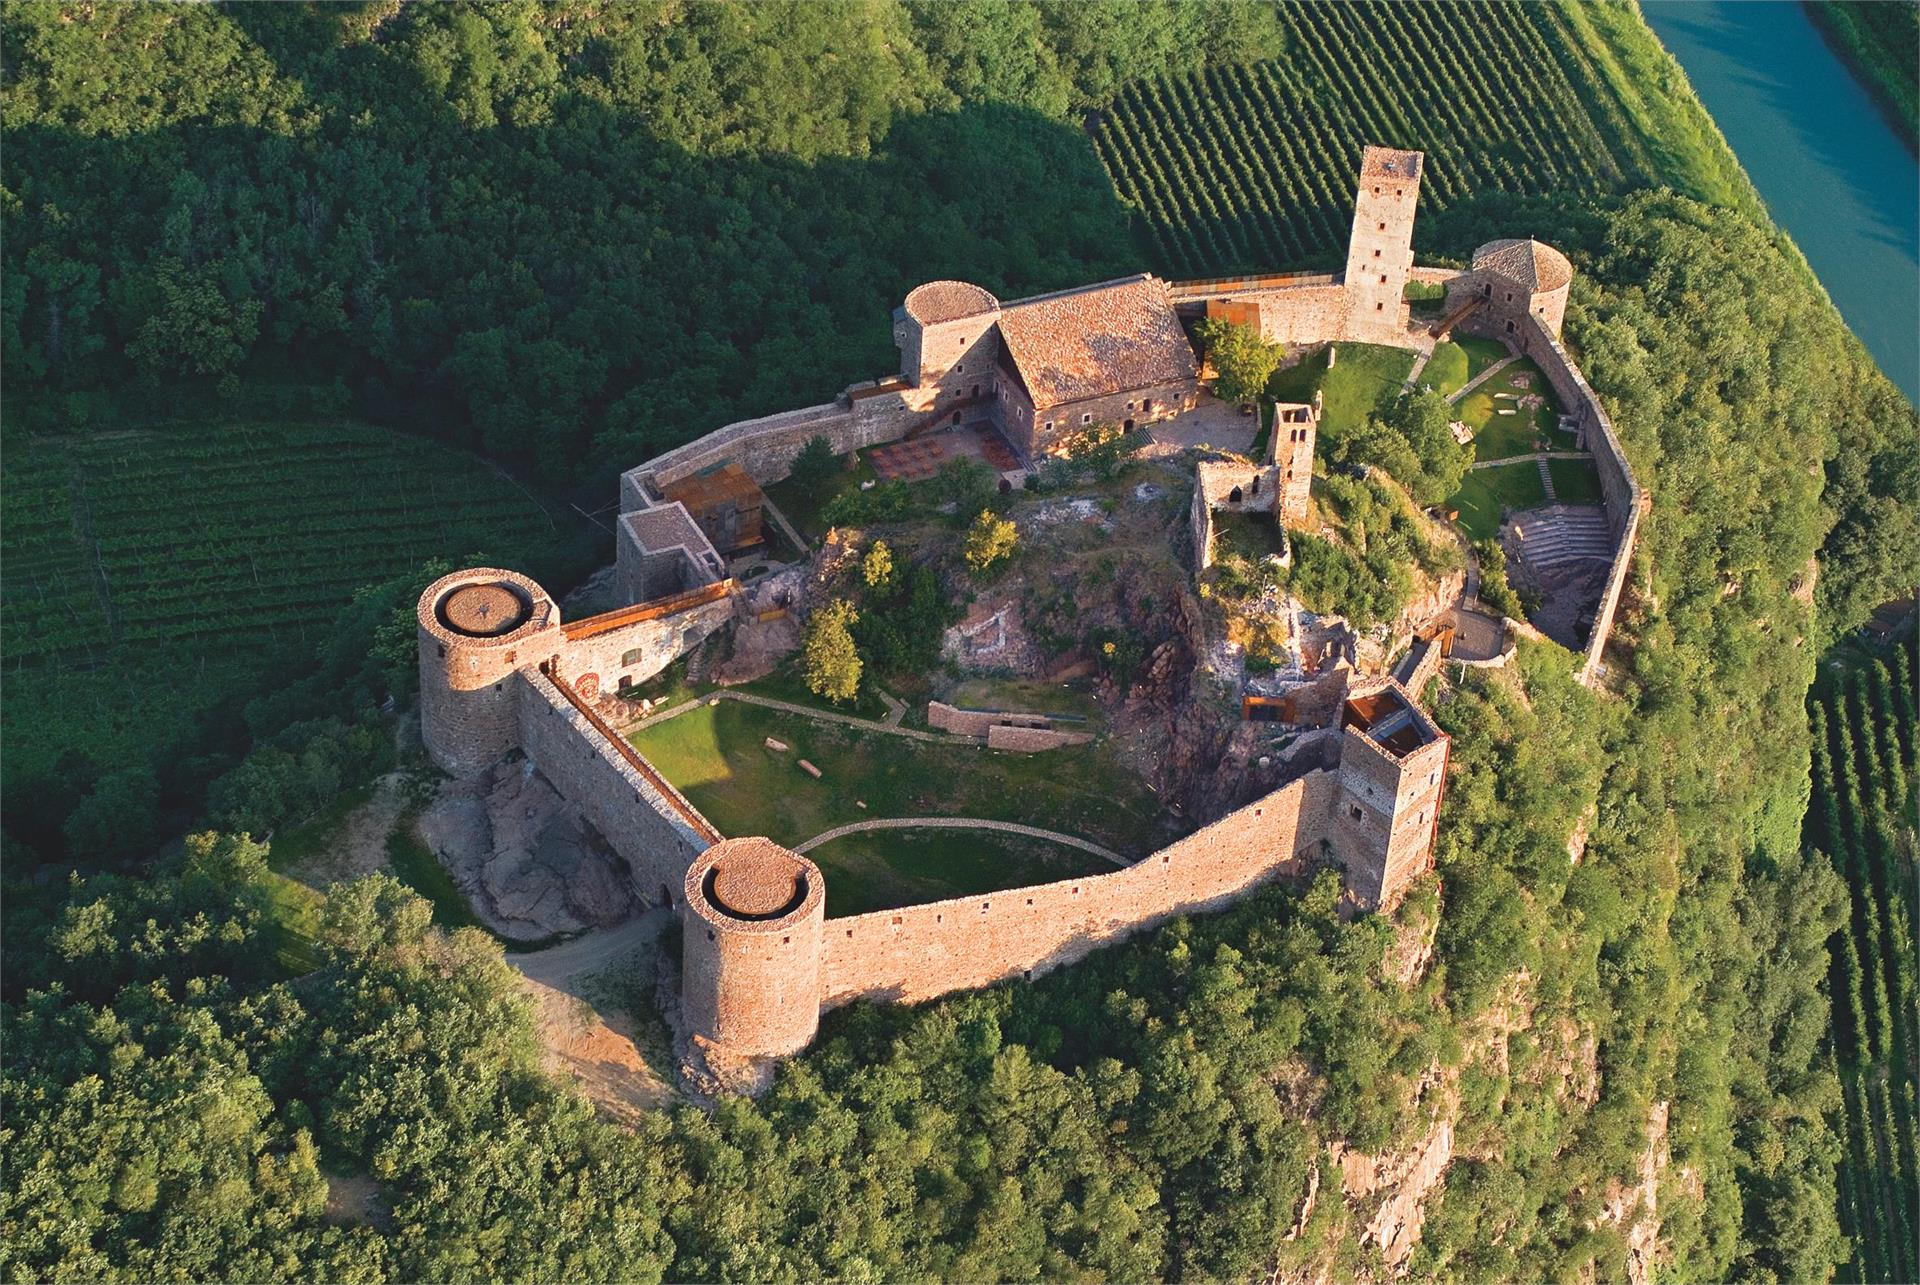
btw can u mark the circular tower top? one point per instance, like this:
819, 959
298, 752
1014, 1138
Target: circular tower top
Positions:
1532, 264
485, 606
938, 301
753, 885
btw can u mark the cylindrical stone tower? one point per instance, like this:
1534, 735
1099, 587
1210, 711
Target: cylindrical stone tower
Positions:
476, 628
944, 326
753, 916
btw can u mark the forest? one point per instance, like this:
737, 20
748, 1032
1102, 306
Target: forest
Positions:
566, 237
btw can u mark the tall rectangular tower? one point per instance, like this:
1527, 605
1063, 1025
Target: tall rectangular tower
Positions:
1295, 425
1380, 252
1393, 771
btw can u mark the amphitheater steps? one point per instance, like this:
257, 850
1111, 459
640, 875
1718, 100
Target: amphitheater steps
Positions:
1563, 534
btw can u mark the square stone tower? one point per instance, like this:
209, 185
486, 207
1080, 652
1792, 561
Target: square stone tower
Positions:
1295, 426
1393, 770
1380, 252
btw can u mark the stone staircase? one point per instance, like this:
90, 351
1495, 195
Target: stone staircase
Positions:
1546, 476
1564, 533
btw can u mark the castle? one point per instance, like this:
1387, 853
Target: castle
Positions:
501, 671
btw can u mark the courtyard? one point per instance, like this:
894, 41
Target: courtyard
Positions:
717, 755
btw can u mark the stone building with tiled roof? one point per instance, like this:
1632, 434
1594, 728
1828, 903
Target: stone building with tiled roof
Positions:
1514, 278
1044, 368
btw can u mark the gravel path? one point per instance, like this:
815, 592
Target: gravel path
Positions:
963, 823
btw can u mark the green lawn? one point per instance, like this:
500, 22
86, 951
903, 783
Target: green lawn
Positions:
1363, 376
1446, 370
1296, 383
1488, 494
886, 869
1249, 535
1481, 353
717, 756
1497, 436
1576, 481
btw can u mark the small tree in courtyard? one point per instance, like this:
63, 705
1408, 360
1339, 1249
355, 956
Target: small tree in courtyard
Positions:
989, 540
877, 566
815, 463
829, 660
1242, 361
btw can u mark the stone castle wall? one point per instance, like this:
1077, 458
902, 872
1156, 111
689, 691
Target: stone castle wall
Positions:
919, 952
636, 811
1390, 840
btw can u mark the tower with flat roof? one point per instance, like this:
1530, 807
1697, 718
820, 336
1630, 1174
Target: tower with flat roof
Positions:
1380, 251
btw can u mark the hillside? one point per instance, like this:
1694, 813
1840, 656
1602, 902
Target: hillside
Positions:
570, 236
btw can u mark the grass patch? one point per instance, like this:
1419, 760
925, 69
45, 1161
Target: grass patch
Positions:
802, 504
1497, 436
786, 683
716, 755
296, 846
1247, 535
1363, 376
886, 869
1297, 383
1576, 481
1481, 353
1024, 695
1489, 494
1446, 370
294, 910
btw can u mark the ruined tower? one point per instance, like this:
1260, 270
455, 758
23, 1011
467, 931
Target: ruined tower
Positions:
1393, 769
1380, 251
1295, 426
752, 918
476, 629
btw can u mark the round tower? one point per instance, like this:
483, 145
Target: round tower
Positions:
476, 628
944, 325
753, 916
1519, 277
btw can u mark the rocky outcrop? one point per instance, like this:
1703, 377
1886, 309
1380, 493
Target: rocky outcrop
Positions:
527, 861
1400, 1183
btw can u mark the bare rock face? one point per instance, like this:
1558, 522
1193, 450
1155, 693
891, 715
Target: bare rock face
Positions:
528, 862
1401, 1183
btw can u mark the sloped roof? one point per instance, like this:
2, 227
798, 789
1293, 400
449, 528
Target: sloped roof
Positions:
1108, 338
1529, 263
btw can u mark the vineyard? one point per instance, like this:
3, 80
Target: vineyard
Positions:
1238, 168
1862, 814
252, 533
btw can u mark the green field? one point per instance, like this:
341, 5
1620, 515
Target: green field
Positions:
716, 754
1488, 494
886, 869
1447, 368
1864, 766
146, 576
1576, 481
1251, 166
1481, 353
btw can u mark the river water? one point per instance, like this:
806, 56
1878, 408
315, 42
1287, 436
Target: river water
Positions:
1831, 169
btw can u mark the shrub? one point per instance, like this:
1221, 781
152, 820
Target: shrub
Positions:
829, 661
990, 540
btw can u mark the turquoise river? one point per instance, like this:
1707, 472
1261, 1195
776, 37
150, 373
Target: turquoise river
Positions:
1832, 171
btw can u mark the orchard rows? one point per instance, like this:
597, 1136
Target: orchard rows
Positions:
1862, 814
1239, 168
248, 532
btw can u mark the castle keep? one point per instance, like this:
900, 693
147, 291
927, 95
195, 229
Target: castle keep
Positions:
501, 671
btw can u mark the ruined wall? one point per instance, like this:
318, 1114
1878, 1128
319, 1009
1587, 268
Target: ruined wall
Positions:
1032, 740
919, 952
975, 722
642, 817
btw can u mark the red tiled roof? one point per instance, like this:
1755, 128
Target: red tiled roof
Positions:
1107, 338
